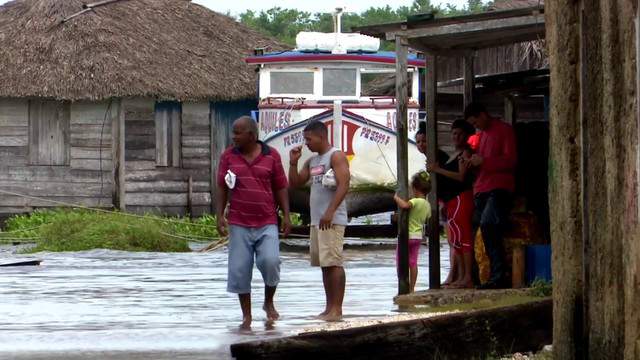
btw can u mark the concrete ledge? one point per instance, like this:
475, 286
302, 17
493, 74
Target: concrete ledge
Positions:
443, 297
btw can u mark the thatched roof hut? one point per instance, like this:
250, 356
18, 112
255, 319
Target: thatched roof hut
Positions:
514, 4
124, 103
166, 49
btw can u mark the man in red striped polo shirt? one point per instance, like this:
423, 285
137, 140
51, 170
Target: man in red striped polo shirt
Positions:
251, 174
495, 162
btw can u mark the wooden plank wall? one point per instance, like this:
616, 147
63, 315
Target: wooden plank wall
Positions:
149, 187
497, 60
528, 109
163, 189
80, 183
14, 131
49, 132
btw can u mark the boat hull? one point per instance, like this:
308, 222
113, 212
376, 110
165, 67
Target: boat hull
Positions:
367, 138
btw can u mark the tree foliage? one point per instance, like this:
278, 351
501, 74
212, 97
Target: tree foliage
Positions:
285, 24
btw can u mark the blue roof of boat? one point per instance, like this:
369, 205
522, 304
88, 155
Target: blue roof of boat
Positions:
388, 57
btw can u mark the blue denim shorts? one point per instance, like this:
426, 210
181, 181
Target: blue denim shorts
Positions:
247, 244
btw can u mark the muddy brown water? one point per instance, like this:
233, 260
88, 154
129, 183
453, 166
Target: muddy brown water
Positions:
105, 304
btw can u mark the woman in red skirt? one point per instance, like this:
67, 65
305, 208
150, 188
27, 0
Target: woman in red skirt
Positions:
455, 191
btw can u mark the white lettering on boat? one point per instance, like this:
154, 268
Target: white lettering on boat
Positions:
274, 120
412, 120
375, 136
293, 139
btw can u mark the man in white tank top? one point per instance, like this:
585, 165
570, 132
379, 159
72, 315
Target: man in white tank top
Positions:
328, 210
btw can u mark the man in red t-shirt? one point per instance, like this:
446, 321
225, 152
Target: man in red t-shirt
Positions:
252, 173
495, 162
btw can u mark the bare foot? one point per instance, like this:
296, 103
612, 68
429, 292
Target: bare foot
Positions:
269, 325
322, 314
246, 323
332, 317
448, 281
272, 314
461, 284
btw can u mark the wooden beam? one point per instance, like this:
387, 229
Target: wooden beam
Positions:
381, 29
450, 45
469, 80
431, 88
637, 23
418, 44
402, 106
469, 28
117, 128
462, 335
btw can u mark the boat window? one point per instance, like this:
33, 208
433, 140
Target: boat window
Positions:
381, 84
339, 82
292, 82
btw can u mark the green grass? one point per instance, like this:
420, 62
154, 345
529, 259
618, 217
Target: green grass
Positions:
296, 218
78, 230
541, 288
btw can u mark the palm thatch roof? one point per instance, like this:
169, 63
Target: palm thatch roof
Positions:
534, 51
514, 4
167, 49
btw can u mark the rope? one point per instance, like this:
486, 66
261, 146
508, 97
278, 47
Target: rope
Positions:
200, 237
182, 237
382, 152
193, 238
215, 245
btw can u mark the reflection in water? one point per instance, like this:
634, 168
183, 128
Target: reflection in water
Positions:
172, 303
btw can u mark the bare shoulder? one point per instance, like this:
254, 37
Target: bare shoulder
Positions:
338, 157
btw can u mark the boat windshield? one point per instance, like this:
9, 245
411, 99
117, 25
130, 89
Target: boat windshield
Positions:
292, 82
381, 84
331, 83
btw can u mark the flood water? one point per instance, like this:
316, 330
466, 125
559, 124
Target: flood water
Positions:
119, 305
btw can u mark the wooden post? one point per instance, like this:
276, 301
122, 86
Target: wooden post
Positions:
510, 110
562, 19
469, 79
431, 87
517, 265
190, 197
583, 344
216, 149
118, 148
637, 22
402, 106
176, 136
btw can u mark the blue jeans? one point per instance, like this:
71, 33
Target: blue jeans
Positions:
491, 214
245, 244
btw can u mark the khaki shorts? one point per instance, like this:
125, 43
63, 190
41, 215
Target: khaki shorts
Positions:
326, 246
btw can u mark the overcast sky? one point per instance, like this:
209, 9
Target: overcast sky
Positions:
238, 6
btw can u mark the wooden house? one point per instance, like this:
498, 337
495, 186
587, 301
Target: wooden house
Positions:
119, 104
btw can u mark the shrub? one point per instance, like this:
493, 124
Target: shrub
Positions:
78, 230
